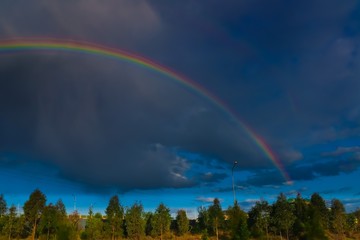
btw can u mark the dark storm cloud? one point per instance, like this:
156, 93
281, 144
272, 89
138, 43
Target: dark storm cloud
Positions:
289, 69
324, 168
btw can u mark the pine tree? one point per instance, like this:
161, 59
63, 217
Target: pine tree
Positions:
161, 221
338, 217
237, 223
182, 223
33, 209
135, 222
10, 224
115, 214
319, 205
203, 219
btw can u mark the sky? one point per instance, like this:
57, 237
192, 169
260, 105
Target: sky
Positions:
84, 127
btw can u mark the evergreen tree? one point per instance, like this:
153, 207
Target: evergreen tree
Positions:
33, 209
182, 223
115, 214
338, 217
203, 219
10, 223
3, 206
259, 219
148, 223
61, 210
237, 223
161, 221
135, 222
282, 215
50, 221
3, 209
94, 228
319, 205
216, 217
301, 212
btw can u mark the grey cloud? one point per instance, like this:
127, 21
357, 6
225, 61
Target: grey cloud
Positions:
342, 150
290, 74
206, 199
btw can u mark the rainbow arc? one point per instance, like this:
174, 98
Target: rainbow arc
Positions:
38, 45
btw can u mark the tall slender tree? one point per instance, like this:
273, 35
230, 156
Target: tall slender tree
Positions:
3, 206
237, 223
338, 217
182, 223
259, 219
216, 217
33, 209
203, 219
301, 212
161, 221
319, 206
3, 209
115, 214
10, 224
282, 215
135, 221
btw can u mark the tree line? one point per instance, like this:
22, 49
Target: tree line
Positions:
297, 218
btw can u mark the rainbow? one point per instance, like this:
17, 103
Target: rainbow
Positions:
44, 44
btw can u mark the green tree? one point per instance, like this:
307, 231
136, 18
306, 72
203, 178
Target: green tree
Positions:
182, 223
135, 221
216, 217
61, 210
337, 217
161, 221
148, 223
259, 219
10, 223
237, 223
3, 206
3, 209
94, 226
301, 212
33, 209
319, 205
115, 214
282, 215
49, 221
72, 228
203, 219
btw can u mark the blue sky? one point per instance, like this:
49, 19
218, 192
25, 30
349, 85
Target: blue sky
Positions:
90, 127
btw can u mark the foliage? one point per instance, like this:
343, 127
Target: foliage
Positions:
161, 221
114, 215
299, 218
94, 226
282, 215
216, 217
337, 217
237, 223
3, 205
202, 219
135, 222
33, 209
259, 219
182, 223
319, 205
